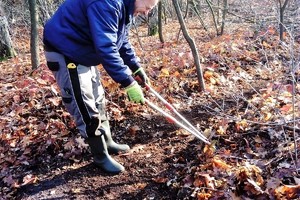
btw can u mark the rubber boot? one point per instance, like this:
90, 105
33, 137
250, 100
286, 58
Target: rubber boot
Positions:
101, 157
112, 146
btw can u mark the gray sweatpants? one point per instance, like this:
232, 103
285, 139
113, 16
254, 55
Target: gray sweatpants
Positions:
82, 93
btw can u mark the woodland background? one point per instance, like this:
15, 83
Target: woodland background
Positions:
231, 67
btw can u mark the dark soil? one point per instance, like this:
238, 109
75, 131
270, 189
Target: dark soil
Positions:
158, 153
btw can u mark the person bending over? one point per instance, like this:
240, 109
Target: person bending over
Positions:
79, 36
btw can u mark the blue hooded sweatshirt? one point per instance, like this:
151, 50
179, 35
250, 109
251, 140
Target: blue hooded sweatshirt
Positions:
92, 32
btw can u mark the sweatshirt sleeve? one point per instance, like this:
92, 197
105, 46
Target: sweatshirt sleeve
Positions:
128, 55
104, 17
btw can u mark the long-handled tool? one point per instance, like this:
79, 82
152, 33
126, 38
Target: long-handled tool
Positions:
189, 127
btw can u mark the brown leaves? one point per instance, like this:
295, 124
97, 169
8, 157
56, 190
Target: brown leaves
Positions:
134, 130
13, 183
160, 180
249, 179
248, 88
10, 181
212, 77
31, 123
287, 191
220, 164
246, 81
29, 179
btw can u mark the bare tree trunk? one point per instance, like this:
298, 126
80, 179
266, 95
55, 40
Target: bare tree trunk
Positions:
43, 10
6, 49
198, 14
34, 40
160, 32
218, 11
213, 15
153, 24
186, 10
225, 4
281, 17
192, 45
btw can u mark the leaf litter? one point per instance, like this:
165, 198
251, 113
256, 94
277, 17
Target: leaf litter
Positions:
247, 113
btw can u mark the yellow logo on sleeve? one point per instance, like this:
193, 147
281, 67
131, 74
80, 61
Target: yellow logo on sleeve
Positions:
71, 66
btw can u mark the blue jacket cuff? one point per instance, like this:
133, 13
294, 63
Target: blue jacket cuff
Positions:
127, 81
135, 67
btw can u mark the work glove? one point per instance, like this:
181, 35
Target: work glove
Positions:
141, 77
135, 93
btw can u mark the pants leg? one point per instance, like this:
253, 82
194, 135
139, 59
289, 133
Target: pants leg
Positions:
99, 94
77, 87
101, 105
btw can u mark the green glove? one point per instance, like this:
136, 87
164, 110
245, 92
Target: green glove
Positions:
141, 77
135, 93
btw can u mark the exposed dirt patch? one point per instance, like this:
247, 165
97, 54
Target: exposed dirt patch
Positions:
158, 152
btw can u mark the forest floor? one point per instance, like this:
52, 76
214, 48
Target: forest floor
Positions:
247, 112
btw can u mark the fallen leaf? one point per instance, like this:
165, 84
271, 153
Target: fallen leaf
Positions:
28, 179
164, 72
75, 190
209, 181
140, 185
272, 183
81, 142
286, 108
134, 129
287, 191
203, 195
11, 182
208, 74
160, 180
220, 164
267, 116
255, 186
198, 182
55, 101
